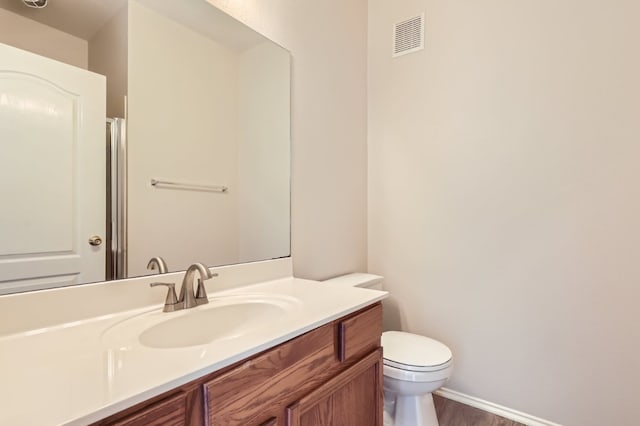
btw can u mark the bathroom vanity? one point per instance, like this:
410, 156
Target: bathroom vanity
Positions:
330, 375
268, 349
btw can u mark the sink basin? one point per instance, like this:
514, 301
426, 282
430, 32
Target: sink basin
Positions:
223, 318
206, 325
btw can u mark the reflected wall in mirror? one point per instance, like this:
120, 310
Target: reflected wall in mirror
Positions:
207, 107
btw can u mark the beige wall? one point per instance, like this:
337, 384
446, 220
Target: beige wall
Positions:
504, 202
108, 56
327, 40
26, 34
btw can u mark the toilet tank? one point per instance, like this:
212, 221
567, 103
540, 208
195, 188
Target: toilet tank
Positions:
358, 279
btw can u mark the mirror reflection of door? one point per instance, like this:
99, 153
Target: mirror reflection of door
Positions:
52, 173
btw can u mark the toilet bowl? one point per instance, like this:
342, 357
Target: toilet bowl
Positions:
414, 367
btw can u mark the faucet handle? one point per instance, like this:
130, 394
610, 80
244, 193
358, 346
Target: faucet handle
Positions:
201, 292
171, 301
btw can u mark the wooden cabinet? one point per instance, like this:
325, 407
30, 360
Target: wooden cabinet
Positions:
329, 376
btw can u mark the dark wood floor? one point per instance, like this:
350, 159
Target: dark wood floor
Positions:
453, 413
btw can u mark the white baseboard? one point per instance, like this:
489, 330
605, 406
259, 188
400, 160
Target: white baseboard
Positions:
496, 409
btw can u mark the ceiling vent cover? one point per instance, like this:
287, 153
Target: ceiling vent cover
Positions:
408, 36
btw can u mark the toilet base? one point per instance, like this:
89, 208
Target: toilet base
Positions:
414, 410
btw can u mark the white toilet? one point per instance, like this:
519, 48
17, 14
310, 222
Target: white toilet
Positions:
414, 367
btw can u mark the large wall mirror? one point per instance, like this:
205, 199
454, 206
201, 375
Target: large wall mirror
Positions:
183, 154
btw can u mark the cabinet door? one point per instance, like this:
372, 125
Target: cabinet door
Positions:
353, 398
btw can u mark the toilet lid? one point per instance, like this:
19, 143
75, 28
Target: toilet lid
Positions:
413, 352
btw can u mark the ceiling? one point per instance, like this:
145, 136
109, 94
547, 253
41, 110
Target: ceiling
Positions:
81, 18
206, 19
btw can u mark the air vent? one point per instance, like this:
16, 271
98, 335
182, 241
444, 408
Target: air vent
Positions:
408, 36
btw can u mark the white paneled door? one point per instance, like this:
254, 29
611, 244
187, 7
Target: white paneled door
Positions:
52, 173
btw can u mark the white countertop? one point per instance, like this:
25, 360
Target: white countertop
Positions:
69, 374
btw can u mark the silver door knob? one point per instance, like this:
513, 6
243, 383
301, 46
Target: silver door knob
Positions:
96, 240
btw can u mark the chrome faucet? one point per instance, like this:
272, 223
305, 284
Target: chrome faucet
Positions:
188, 298
157, 262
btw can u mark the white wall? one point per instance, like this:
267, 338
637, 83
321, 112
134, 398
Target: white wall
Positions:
264, 148
27, 34
176, 133
327, 40
504, 197
108, 56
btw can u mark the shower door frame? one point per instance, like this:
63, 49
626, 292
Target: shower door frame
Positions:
116, 262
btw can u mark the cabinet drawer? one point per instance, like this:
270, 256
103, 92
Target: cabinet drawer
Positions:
254, 392
168, 412
360, 333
